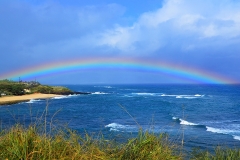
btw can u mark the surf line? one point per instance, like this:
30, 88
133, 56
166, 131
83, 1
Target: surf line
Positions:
175, 71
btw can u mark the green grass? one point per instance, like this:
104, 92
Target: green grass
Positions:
220, 153
33, 143
28, 143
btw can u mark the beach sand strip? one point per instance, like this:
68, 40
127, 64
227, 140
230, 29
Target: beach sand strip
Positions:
23, 98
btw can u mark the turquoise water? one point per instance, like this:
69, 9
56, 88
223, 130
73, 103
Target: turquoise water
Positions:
208, 115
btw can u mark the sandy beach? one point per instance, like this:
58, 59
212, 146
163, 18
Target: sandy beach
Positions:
16, 99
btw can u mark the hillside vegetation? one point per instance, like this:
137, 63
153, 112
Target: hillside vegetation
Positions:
33, 142
8, 87
30, 143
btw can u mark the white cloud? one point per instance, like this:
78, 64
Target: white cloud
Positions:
188, 20
180, 24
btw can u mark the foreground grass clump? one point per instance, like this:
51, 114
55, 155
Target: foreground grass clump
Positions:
31, 143
20, 143
28, 143
219, 154
149, 146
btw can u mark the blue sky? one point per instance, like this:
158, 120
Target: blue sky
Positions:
198, 34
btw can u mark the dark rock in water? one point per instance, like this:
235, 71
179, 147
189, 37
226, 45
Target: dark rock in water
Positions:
82, 93
73, 92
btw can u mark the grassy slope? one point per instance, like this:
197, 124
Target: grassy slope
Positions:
20, 143
20, 88
33, 143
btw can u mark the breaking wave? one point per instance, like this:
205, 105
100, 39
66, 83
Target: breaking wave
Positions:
107, 86
103, 87
184, 122
34, 100
145, 94
236, 137
120, 127
233, 132
183, 96
73, 95
99, 93
60, 97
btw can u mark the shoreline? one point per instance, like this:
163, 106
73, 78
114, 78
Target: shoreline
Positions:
25, 98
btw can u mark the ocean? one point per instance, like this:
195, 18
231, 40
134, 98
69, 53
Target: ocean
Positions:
204, 116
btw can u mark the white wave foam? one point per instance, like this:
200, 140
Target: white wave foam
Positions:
183, 96
236, 137
65, 96
99, 93
127, 96
114, 129
223, 131
189, 97
103, 86
34, 100
234, 133
72, 95
119, 127
144, 94
179, 97
60, 97
183, 122
115, 125
216, 130
107, 87
128, 89
174, 118
169, 95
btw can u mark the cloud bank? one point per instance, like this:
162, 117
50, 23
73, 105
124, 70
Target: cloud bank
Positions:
201, 34
185, 24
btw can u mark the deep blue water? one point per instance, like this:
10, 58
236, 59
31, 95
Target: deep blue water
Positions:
208, 115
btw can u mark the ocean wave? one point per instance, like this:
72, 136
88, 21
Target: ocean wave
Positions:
107, 86
60, 97
236, 137
127, 96
34, 100
225, 131
72, 95
222, 130
184, 122
187, 123
168, 95
175, 118
183, 96
144, 94
232, 132
120, 127
65, 96
103, 87
187, 97
127, 89
99, 93
97, 86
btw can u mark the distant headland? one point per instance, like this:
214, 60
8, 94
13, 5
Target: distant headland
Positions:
14, 92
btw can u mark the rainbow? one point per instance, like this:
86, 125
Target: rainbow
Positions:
183, 72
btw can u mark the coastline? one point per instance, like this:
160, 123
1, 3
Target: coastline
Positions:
24, 98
